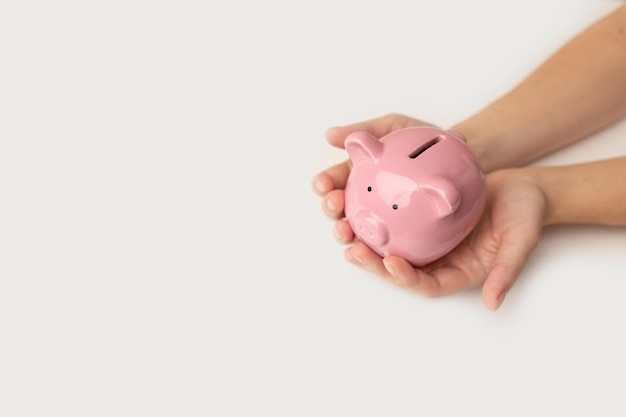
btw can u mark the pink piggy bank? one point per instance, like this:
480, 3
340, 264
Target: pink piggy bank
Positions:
416, 193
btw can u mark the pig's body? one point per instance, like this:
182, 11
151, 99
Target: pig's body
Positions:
416, 193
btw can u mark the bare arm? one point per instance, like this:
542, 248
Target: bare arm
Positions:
580, 89
592, 192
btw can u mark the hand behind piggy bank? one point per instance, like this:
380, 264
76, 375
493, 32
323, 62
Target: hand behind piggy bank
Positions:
416, 193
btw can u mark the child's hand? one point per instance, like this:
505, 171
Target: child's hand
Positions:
492, 255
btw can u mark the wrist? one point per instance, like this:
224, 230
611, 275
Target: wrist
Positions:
543, 178
486, 144
590, 193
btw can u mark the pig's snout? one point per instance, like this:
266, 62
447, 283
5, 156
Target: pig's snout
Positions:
370, 228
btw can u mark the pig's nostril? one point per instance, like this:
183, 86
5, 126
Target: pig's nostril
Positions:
371, 229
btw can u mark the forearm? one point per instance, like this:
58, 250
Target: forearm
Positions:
593, 192
577, 91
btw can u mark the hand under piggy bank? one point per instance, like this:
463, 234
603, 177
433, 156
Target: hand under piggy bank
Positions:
415, 193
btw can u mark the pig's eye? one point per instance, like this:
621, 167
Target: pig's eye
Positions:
369, 189
395, 207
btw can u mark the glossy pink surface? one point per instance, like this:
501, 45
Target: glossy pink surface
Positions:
416, 193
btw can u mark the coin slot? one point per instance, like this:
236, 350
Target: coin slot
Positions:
424, 147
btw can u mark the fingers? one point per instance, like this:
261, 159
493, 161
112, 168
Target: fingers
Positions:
443, 280
377, 127
435, 280
333, 204
330, 184
343, 232
332, 178
391, 268
362, 256
402, 272
498, 283
438, 279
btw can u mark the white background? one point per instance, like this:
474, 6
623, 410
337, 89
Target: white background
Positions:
162, 252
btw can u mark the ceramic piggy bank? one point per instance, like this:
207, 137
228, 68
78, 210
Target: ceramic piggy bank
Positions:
415, 193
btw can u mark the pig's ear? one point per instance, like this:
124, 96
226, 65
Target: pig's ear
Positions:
362, 145
444, 193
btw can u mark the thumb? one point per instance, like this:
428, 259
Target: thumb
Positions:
510, 260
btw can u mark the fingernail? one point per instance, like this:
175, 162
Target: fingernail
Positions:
501, 297
355, 259
394, 273
319, 185
390, 268
498, 301
350, 257
337, 234
330, 205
